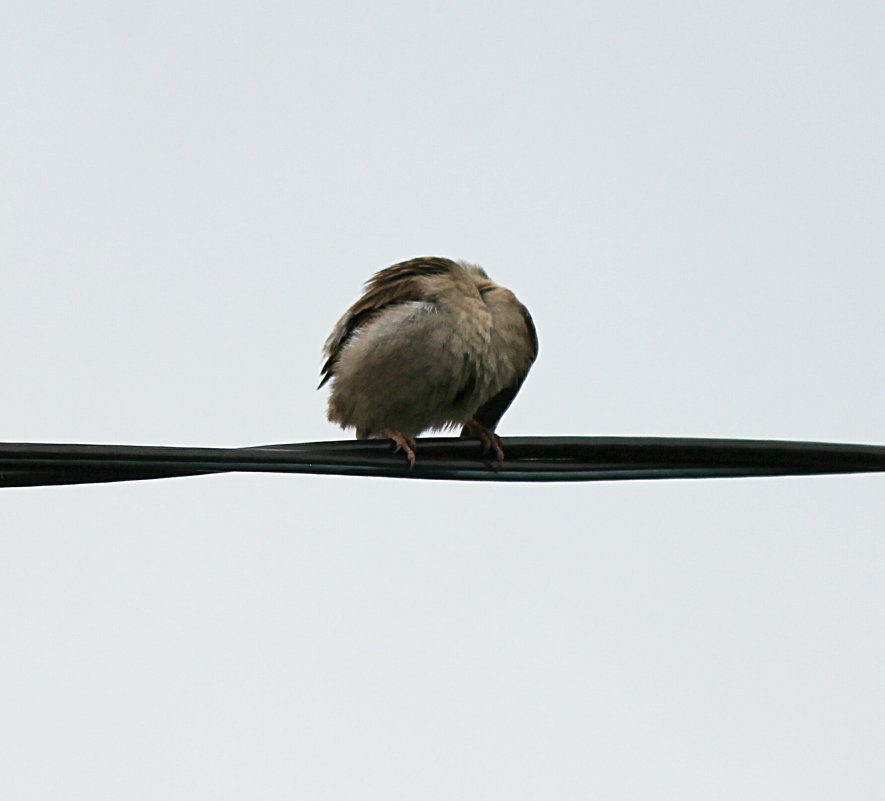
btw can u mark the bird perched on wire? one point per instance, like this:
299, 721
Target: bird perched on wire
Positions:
432, 343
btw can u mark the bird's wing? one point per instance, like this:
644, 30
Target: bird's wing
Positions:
400, 283
490, 413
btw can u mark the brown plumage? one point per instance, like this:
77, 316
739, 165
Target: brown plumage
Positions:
432, 343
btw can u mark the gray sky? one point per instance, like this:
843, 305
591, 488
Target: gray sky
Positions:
688, 196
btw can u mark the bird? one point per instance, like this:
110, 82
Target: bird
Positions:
432, 344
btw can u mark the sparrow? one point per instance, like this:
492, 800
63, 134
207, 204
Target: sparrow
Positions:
431, 344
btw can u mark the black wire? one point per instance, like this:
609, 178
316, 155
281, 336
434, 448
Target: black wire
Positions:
527, 459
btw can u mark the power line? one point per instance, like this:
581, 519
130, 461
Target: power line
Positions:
532, 459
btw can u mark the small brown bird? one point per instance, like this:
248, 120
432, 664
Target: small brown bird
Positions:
432, 343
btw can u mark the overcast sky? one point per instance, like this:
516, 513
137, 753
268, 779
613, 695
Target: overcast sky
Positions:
690, 199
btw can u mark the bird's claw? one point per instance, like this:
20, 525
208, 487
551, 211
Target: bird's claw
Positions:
403, 443
489, 439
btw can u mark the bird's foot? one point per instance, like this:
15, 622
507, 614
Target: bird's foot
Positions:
403, 443
489, 439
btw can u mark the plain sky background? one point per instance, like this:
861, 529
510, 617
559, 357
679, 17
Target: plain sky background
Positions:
690, 199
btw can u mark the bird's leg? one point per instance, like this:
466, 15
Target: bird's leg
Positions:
403, 443
489, 439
